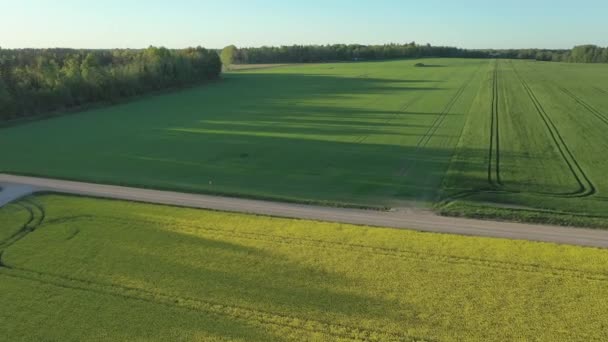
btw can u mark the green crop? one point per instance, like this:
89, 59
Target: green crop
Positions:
490, 138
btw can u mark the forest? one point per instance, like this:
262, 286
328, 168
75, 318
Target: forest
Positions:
579, 54
341, 52
35, 81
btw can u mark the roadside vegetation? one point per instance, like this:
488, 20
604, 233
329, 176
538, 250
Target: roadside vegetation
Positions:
86, 269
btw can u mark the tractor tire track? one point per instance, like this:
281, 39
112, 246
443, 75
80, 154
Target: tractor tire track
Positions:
2, 264
436, 124
494, 149
601, 90
401, 109
584, 191
36, 217
360, 139
16, 236
603, 117
586, 187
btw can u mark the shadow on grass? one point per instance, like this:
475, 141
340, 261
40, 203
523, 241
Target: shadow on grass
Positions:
306, 138
236, 270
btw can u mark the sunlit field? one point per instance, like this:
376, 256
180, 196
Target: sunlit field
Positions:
76, 269
359, 133
488, 138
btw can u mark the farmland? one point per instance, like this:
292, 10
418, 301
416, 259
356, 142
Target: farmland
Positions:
545, 145
471, 137
85, 269
363, 133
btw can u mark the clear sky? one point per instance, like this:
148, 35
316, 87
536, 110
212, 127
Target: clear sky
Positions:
214, 24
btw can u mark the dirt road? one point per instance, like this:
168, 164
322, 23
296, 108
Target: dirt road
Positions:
15, 187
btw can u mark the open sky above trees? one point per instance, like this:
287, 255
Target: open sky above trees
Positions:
215, 24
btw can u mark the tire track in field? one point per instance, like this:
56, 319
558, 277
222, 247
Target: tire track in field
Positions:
428, 135
494, 149
601, 90
399, 111
586, 187
402, 109
36, 217
7, 242
588, 191
603, 117
362, 138
199, 305
401, 253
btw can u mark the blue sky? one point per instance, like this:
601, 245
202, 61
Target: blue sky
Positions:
214, 24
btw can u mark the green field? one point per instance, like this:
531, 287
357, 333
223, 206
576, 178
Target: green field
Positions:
479, 137
85, 269
365, 133
545, 148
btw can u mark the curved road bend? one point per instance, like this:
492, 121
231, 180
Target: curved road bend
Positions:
15, 187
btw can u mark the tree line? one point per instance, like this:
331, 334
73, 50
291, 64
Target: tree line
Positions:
339, 52
35, 81
579, 54
588, 54
354, 52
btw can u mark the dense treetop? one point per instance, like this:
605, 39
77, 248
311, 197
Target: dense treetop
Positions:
340, 52
227, 55
34, 81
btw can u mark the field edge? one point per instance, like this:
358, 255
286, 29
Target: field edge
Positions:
520, 215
